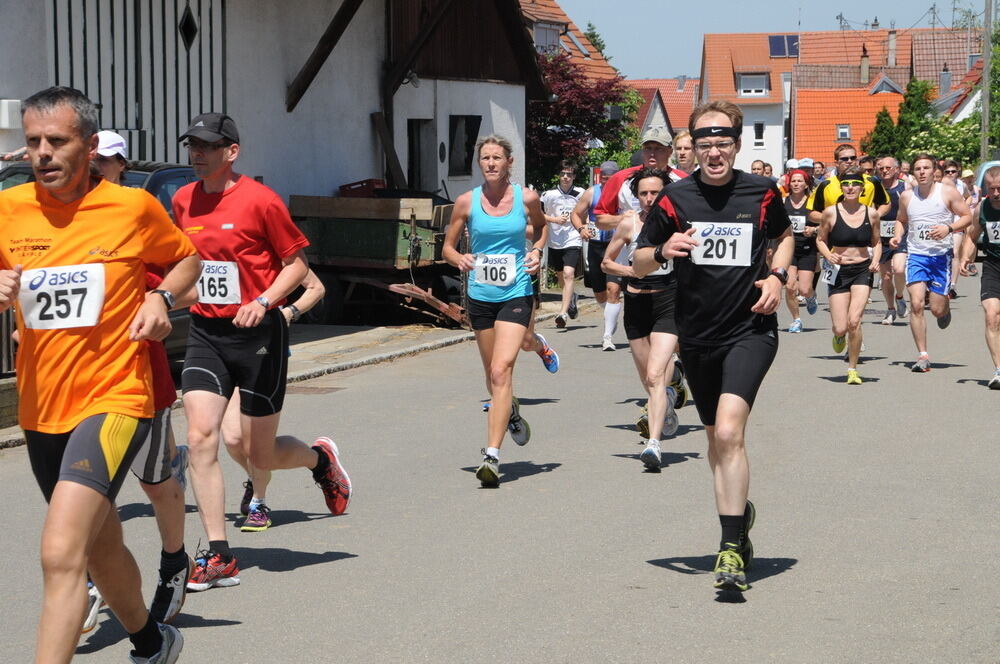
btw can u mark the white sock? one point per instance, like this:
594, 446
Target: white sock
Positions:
255, 503
652, 441
922, 353
611, 311
493, 452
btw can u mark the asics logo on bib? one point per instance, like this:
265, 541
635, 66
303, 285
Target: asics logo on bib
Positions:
722, 231
56, 278
215, 269
494, 260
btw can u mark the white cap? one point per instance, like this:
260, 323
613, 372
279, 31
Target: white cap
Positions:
806, 162
109, 144
791, 163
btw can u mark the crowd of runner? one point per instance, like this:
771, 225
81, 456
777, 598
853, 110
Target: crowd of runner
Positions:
699, 257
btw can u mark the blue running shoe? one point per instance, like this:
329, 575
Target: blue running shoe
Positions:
811, 305
796, 326
549, 357
179, 466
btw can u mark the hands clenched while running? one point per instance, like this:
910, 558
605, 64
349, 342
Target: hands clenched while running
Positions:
152, 323
679, 244
770, 295
532, 261
10, 286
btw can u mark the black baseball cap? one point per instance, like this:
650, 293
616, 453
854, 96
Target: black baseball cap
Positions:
212, 127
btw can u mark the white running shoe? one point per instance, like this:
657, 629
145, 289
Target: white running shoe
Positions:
608, 344
173, 643
94, 603
650, 456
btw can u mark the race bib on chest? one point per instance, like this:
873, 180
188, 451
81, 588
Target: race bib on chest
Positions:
219, 283
722, 243
922, 231
798, 223
888, 227
992, 231
57, 298
495, 269
829, 273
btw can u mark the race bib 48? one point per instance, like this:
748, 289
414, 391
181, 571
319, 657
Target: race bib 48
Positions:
57, 298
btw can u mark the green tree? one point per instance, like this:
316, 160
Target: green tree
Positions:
620, 145
595, 38
947, 140
915, 114
882, 138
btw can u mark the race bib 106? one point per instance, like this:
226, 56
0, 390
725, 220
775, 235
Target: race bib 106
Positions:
219, 283
722, 243
57, 298
888, 227
798, 223
495, 269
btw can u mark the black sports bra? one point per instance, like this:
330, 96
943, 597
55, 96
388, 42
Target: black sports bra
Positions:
842, 235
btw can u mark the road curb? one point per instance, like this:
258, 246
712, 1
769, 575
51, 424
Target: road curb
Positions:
16, 440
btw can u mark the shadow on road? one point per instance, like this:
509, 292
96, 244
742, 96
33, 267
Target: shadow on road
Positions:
666, 458
284, 517
762, 567
843, 379
843, 358
934, 365
138, 510
109, 631
284, 560
510, 472
974, 381
681, 429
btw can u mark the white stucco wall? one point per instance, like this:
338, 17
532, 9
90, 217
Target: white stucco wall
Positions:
501, 106
22, 32
774, 136
655, 116
328, 140
968, 107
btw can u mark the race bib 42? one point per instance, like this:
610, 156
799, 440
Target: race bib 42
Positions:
57, 298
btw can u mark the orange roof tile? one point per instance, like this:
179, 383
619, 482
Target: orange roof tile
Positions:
843, 47
931, 51
725, 55
970, 82
678, 96
589, 59
817, 112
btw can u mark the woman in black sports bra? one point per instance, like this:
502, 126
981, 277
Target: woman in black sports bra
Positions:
850, 244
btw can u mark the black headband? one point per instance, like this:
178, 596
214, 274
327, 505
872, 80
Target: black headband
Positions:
710, 132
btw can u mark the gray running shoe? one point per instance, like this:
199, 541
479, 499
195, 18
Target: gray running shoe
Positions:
173, 643
561, 321
900, 307
650, 456
670, 421
488, 472
94, 603
573, 311
922, 365
945, 320
520, 432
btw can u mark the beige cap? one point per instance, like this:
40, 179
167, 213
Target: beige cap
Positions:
659, 135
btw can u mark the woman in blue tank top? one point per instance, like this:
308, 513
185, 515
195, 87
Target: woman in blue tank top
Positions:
498, 216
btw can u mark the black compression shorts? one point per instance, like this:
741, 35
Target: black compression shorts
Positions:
595, 278
221, 357
483, 315
568, 257
734, 368
805, 256
856, 274
96, 453
646, 313
989, 281
152, 462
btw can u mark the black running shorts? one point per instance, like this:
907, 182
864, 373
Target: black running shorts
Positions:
646, 313
805, 255
152, 463
734, 368
856, 274
221, 357
96, 453
595, 278
989, 279
484, 314
568, 257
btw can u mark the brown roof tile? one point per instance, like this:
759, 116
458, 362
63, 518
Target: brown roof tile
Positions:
932, 50
969, 82
594, 65
843, 76
727, 54
678, 100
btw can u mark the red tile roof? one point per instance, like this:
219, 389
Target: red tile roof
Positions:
594, 65
678, 96
725, 55
819, 111
931, 51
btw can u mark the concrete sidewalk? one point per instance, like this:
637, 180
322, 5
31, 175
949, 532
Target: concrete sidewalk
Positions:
318, 350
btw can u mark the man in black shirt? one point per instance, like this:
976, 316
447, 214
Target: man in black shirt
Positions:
716, 225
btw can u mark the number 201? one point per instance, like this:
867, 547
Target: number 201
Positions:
720, 248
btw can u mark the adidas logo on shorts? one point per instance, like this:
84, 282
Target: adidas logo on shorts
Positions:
262, 351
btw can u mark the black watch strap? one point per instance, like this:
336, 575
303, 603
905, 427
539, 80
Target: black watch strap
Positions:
167, 296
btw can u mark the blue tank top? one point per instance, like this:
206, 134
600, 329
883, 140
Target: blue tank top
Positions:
499, 245
894, 195
602, 235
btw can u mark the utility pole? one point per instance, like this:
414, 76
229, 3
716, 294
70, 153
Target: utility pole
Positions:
984, 139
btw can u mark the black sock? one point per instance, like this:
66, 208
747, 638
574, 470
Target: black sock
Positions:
319, 472
732, 530
221, 547
171, 563
147, 641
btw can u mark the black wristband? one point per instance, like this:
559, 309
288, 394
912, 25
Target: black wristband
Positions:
658, 254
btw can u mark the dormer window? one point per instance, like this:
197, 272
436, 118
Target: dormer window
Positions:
752, 85
547, 36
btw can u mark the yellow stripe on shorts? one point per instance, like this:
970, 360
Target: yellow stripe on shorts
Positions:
116, 434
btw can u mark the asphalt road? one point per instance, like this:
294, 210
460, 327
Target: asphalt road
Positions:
877, 520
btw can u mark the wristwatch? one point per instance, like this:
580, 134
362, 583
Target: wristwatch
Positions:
782, 274
263, 301
295, 311
167, 296
658, 254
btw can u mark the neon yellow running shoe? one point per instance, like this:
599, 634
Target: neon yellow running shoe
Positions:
839, 343
852, 377
729, 571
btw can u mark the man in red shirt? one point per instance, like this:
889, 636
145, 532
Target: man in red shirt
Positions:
252, 258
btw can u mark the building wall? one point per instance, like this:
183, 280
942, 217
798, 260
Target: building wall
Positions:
655, 117
502, 107
328, 139
22, 30
774, 137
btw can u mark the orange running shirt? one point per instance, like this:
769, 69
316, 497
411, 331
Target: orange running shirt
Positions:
83, 283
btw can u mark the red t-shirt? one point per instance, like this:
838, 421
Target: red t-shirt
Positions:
242, 235
164, 390
611, 188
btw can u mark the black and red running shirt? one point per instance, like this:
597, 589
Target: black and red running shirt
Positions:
247, 225
715, 284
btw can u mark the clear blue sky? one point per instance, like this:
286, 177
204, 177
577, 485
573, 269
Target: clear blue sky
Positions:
634, 30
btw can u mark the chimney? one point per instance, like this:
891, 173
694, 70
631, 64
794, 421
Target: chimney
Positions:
944, 84
891, 58
681, 80
875, 25
864, 65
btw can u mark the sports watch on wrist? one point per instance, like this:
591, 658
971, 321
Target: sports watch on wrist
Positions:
263, 301
782, 274
295, 311
167, 296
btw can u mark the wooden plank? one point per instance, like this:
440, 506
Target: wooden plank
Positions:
389, 148
318, 57
442, 215
328, 207
398, 70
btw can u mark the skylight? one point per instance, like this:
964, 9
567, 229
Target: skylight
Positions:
783, 46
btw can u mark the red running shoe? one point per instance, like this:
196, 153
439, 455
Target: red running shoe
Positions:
212, 572
335, 483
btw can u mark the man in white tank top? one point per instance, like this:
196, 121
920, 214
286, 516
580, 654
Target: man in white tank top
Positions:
928, 213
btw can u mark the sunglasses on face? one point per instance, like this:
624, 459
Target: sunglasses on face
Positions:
951, 171
851, 158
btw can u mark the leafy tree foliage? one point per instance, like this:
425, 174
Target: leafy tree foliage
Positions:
915, 114
882, 138
595, 38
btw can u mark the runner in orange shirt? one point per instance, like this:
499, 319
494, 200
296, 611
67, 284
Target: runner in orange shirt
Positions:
74, 254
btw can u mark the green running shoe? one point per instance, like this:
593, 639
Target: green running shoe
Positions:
643, 424
746, 550
839, 343
729, 570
